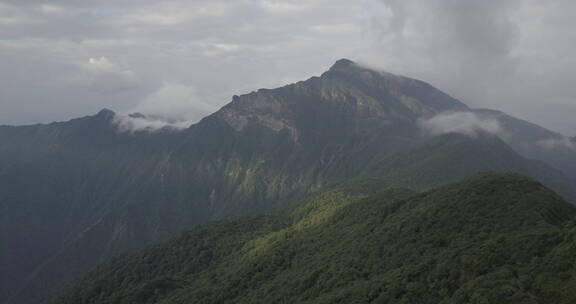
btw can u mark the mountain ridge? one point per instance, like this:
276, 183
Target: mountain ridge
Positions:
79, 192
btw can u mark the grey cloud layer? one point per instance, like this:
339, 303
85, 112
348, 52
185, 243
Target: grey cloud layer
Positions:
67, 58
511, 55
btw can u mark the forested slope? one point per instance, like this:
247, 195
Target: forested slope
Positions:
493, 238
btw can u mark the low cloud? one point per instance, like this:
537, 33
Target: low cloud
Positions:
172, 106
558, 143
141, 123
460, 122
175, 101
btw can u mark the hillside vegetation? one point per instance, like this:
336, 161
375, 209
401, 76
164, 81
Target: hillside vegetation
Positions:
493, 238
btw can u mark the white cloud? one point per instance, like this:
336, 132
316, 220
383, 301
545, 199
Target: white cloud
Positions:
175, 101
131, 124
558, 143
172, 106
101, 64
466, 123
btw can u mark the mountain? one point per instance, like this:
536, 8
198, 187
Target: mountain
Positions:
536, 142
74, 194
493, 238
451, 157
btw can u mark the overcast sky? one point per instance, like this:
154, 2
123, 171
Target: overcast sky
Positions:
65, 58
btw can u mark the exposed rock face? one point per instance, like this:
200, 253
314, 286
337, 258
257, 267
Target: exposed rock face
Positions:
347, 90
260, 107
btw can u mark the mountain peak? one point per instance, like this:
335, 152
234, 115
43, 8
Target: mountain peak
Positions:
349, 66
342, 63
106, 113
356, 93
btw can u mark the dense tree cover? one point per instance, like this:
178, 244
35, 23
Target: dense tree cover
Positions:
494, 238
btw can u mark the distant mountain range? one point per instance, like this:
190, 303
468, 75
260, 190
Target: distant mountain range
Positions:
74, 194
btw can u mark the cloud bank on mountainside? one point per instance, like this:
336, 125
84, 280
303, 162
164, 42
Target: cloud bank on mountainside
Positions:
466, 123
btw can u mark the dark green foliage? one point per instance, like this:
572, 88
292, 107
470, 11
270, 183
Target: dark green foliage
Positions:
146, 281
451, 157
494, 238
